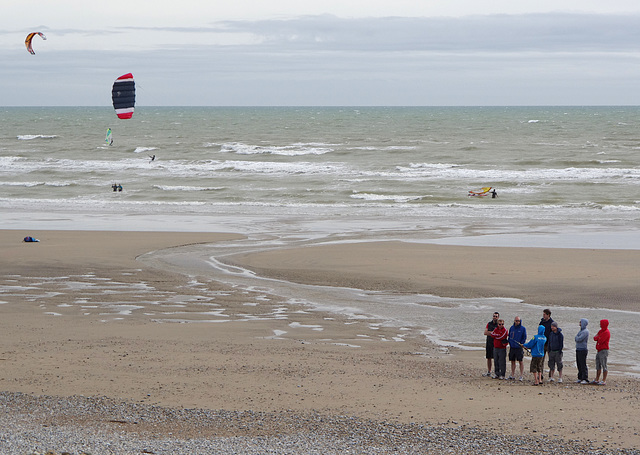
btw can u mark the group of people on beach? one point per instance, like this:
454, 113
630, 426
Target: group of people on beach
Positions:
548, 342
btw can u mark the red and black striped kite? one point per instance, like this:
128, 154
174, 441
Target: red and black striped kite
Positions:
123, 95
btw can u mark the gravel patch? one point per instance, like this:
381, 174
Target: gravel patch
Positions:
79, 425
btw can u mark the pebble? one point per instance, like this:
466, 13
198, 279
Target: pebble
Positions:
78, 425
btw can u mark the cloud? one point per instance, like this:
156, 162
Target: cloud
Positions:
545, 32
505, 33
325, 60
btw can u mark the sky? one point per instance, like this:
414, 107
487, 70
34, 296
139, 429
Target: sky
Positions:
323, 52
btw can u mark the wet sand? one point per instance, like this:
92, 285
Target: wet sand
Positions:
541, 276
64, 333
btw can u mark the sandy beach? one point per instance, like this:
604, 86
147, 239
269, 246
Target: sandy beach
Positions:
83, 319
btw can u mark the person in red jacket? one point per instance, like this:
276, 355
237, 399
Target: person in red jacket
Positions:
500, 341
602, 346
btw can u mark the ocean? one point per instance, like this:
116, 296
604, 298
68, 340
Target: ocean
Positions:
557, 163
564, 176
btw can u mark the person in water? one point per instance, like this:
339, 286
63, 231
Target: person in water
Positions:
494, 194
153, 157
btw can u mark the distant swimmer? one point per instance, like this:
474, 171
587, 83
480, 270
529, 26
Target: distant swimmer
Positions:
116, 187
153, 157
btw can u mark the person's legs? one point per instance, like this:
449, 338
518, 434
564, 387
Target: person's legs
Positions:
537, 365
603, 364
537, 376
489, 356
581, 361
598, 367
552, 365
501, 362
560, 366
516, 355
579, 365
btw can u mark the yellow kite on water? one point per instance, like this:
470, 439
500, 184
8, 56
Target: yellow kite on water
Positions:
482, 192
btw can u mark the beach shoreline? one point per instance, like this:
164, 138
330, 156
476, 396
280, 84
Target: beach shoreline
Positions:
592, 278
82, 316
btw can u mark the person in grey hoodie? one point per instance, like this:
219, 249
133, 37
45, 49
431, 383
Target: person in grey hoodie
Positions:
555, 344
581, 352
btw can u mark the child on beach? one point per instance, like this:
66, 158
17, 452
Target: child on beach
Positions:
602, 346
536, 344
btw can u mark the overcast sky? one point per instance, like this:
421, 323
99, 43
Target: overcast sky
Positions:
323, 52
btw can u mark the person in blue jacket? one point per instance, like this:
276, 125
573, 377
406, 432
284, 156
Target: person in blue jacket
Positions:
517, 337
536, 344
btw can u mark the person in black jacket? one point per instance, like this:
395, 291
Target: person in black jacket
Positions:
546, 321
491, 326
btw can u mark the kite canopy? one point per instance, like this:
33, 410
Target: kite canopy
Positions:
123, 95
483, 192
27, 41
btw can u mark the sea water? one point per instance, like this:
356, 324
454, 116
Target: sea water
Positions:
556, 163
565, 176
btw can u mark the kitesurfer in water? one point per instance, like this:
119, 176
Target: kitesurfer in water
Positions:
494, 194
153, 157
